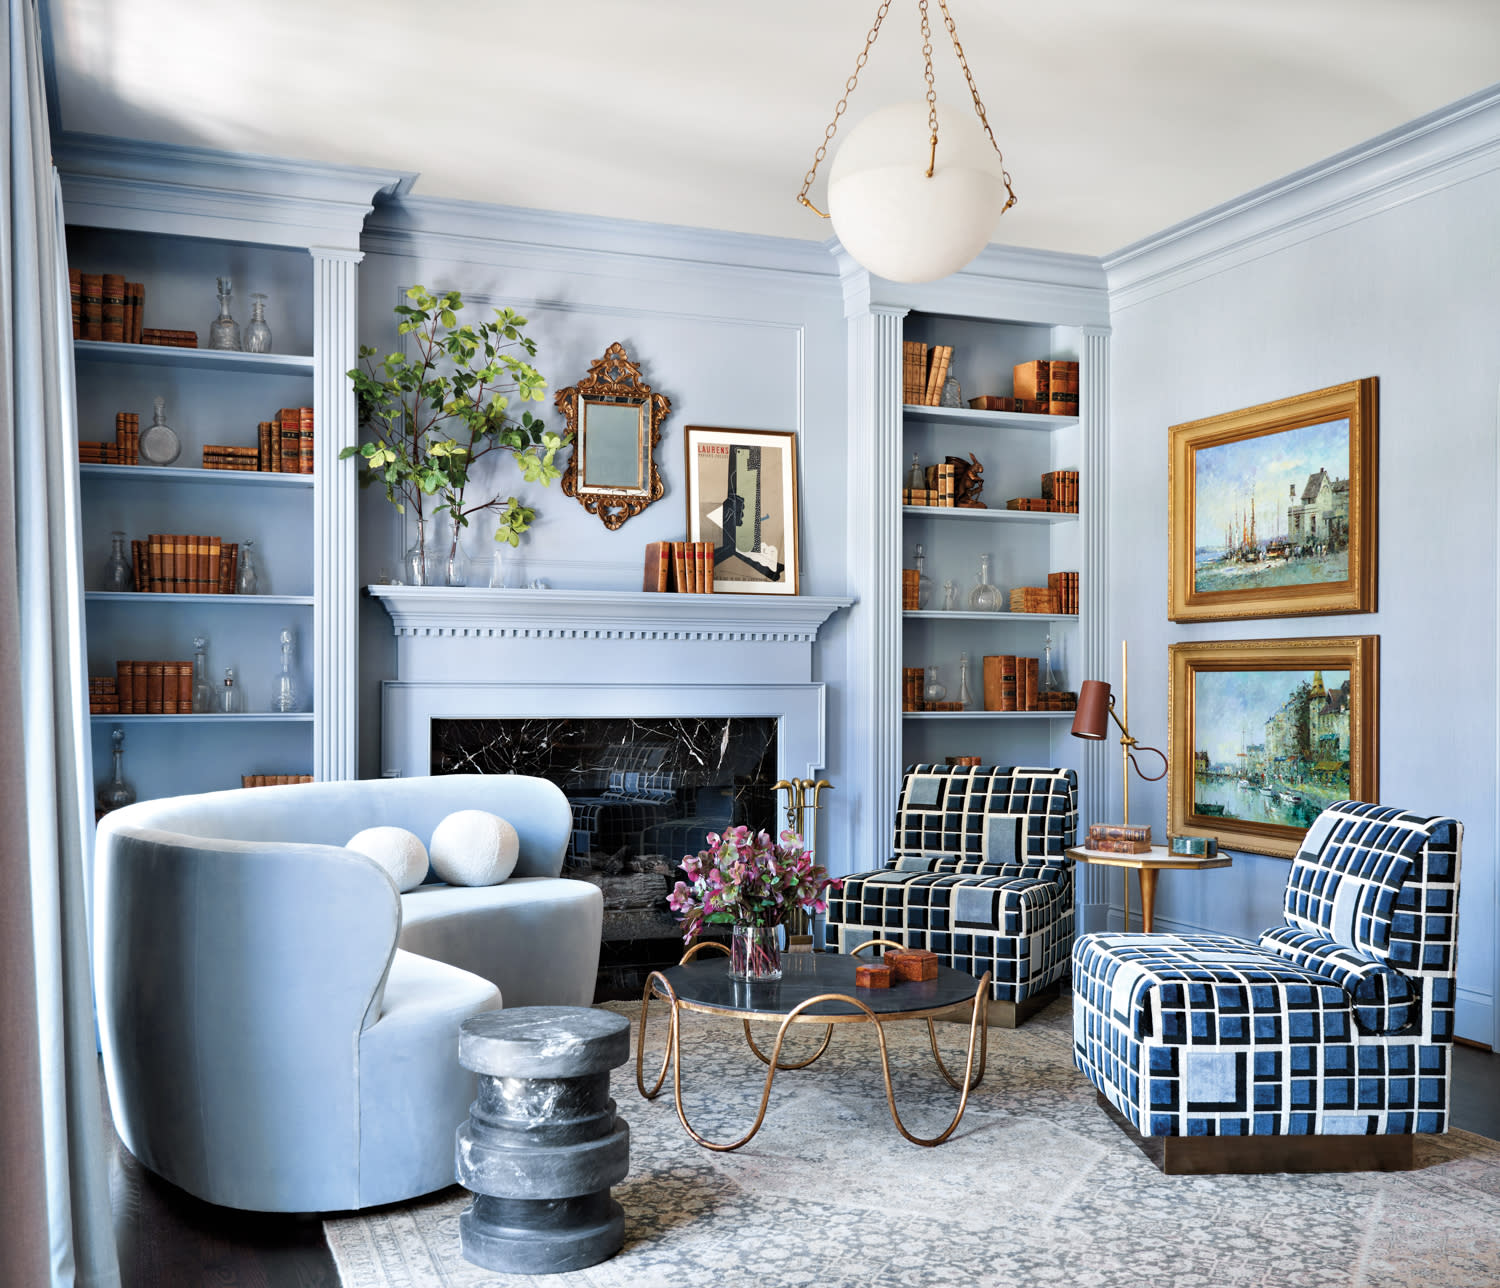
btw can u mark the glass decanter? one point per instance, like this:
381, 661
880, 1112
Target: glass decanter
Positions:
985, 597
286, 685
203, 691
1045, 683
247, 579
916, 476
117, 574
116, 792
965, 697
258, 330
224, 331
933, 691
952, 602
952, 396
229, 695
159, 442
924, 582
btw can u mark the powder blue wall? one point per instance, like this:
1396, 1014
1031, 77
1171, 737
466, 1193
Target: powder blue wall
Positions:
1410, 294
741, 332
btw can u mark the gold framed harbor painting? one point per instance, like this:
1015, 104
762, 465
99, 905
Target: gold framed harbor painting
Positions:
1272, 508
742, 498
1263, 734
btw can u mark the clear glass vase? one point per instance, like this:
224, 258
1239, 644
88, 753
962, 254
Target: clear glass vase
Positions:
286, 683
423, 563
116, 792
203, 691
965, 696
924, 582
230, 702
247, 579
455, 559
985, 597
755, 953
224, 331
258, 330
117, 574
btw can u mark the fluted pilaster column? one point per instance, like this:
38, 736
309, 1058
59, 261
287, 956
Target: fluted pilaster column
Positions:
1093, 600
335, 518
875, 442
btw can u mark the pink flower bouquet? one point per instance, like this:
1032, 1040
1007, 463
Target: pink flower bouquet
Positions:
749, 880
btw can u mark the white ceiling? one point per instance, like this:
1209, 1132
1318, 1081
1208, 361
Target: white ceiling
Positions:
1117, 117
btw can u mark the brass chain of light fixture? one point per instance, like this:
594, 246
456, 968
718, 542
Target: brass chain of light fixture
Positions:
851, 84
833, 125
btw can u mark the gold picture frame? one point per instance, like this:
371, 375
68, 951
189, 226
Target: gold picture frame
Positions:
615, 420
1262, 734
1272, 509
742, 498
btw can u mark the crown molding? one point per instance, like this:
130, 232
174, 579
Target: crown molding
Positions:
1011, 282
516, 236
605, 614
203, 192
1437, 151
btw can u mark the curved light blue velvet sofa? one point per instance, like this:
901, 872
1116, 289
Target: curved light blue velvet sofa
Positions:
279, 1026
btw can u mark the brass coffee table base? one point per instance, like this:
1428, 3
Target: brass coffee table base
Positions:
659, 987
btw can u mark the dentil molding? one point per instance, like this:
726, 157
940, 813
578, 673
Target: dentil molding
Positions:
462, 612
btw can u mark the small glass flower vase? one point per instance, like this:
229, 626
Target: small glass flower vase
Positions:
755, 953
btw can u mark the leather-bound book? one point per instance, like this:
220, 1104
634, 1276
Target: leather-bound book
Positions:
75, 296
125, 687
155, 680
93, 306
657, 573
305, 457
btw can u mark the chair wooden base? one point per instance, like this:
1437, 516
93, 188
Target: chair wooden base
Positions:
1254, 1155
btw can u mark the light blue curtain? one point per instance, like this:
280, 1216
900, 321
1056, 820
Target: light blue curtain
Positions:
38, 410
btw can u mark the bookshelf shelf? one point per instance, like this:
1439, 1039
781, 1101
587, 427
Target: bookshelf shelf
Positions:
208, 717
152, 355
967, 417
196, 477
158, 599
939, 615
985, 516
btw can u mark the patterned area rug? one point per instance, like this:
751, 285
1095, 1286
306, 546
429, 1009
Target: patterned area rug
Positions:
1036, 1187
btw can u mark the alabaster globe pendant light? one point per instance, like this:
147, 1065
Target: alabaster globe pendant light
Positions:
916, 189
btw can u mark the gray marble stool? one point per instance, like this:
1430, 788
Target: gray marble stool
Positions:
543, 1144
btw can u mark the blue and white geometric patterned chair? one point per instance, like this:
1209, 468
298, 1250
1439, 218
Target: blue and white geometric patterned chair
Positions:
979, 876
1324, 1046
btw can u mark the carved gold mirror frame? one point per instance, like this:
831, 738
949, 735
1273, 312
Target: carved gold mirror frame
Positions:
616, 421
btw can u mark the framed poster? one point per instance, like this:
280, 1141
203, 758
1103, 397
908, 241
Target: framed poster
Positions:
1262, 734
742, 497
1271, 510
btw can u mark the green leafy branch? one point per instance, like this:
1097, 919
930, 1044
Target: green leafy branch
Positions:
431, 418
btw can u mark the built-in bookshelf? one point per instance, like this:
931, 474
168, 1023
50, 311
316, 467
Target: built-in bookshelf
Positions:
209, 397
167, 222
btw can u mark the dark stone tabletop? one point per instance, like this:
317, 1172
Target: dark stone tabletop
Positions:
704, 984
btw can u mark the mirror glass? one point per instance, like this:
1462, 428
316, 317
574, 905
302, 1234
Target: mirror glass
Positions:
611, 446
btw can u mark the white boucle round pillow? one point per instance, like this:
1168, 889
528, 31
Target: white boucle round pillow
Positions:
399, 852
473, 848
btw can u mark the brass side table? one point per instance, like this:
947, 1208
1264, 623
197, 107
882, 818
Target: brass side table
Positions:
1147, 866
815, 988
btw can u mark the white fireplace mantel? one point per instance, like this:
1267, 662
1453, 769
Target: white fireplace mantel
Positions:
465, 612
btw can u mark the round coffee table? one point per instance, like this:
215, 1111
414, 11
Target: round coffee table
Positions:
815, 988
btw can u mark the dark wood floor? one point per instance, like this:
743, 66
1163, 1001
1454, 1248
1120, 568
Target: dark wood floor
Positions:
168, 1239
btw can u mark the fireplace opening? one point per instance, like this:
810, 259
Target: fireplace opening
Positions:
644, 793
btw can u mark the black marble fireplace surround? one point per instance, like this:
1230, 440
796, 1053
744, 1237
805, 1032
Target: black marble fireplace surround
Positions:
644, 792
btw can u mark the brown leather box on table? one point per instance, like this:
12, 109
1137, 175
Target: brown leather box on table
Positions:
913, 964
873, 975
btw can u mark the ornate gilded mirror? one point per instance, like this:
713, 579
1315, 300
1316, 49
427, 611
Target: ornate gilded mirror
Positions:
616, 421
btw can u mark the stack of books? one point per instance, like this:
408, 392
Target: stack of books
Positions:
1059, 495
1011, 684
154, 688
686, 567
169, 339
940, 487
1119, 838
126, 448
223, 456
924, 369
176, 563
1046, 388
104, 695
913, 682
1066, 586
273, 780
106, 307
1033, 599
